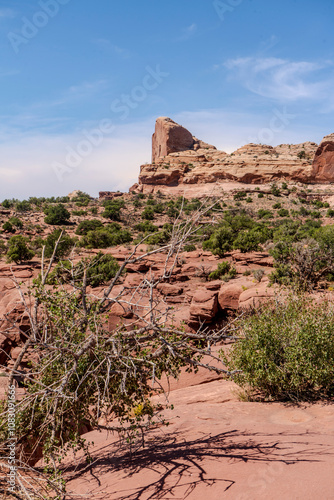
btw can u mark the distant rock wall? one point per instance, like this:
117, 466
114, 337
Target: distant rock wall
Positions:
180, 159
323, 165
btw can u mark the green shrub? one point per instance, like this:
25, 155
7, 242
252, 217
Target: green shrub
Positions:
106, 237
224, 270
57, 215
283, 212
88, 225
240, 195
3, 247
113, 209
260, 195
189, 248
146, 227
23, 206
15, 221
275, 191
265, 214
286, 350
64, 247
18, 250
148, 213
99, 269
7, 203
7, 227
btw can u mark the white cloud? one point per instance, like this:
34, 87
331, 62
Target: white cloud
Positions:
27, 158
106, 44
188, 32
281, 79
26, 162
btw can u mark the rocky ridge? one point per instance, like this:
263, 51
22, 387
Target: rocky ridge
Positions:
181, 160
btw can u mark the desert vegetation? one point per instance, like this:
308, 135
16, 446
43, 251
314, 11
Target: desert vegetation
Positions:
78, 371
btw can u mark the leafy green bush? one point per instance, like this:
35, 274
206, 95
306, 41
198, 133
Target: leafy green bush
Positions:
283, 212
146, 227
148, 213
224, 271
265, 214
15, 221
189, 248
302, 264
82, 199
106, 237
7, 203
112, 209
64, 246
99, 269
88, 225
23, 206
7, 227
56, 215
18, 250
286, 350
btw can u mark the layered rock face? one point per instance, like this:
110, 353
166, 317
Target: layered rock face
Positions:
323, 165
179, 159
170, 137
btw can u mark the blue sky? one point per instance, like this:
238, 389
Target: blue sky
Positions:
83, 81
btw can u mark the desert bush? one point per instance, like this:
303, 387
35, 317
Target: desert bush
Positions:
56, 215
18, 250
82, 199
258, 274
7, 227
189, 248
23, 206
146, 227
106, 237
88, 225
265, 214
148, 213
3, 247
112, 209
302, 264
99, 270
65, 245
283, 212
286, 350
15, 221
224, 271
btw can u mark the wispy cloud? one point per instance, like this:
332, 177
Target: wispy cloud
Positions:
188, 32
106, 44
282, 79
7, 13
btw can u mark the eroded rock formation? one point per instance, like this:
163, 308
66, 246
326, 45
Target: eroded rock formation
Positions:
180, 159
323, 165
170, 137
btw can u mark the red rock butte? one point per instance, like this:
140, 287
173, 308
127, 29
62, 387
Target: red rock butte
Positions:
180, 160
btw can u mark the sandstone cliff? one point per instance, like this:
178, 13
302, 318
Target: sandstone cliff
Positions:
180, 159
323, 165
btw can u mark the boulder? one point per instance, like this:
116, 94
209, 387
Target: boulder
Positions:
257, 295
204, 306
230, 293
